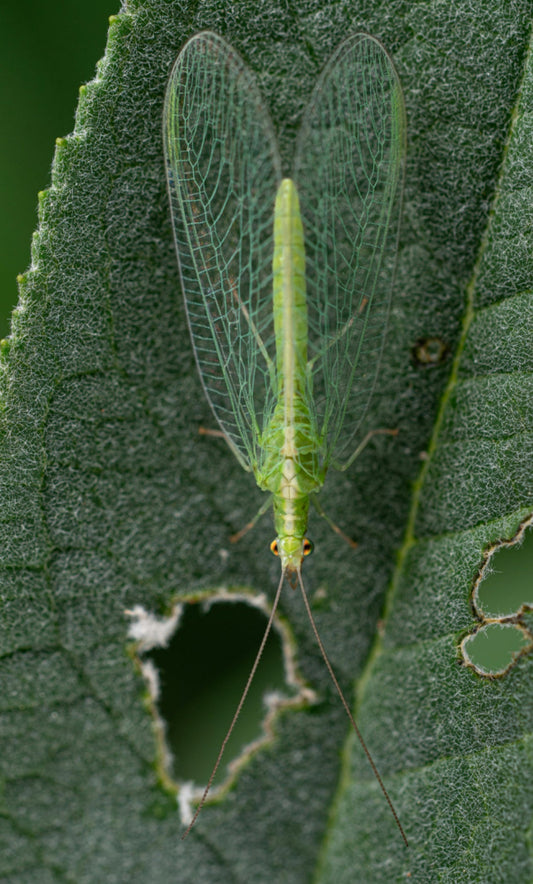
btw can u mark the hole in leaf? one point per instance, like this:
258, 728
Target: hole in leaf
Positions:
502, 598
509, 583
202, 673
495, 647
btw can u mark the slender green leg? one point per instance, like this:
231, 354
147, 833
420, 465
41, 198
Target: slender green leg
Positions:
249, 525
253, 329
362, 445
331, 523
356, 453
206, 431
336, 338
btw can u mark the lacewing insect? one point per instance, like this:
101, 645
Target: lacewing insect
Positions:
287, 281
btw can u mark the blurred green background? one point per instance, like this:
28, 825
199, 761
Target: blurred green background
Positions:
47, 50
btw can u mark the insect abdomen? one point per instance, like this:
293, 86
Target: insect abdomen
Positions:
289, 467
289, 296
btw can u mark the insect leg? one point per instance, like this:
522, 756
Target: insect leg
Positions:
340, 334
207, 431
249, 525
331, 523
363, 444
253, 329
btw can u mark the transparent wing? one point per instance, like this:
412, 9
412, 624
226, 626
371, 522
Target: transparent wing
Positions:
349, 175
223, 171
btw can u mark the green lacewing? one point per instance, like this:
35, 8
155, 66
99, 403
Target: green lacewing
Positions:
287, 280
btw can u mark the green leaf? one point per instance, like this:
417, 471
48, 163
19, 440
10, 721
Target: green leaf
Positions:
110, 498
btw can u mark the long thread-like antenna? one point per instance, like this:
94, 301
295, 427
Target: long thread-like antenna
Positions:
347, 708
239, 707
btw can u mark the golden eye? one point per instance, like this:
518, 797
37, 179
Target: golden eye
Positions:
274, 547
308, 547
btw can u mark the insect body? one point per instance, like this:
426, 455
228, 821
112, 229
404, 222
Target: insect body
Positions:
290, 469
287, 281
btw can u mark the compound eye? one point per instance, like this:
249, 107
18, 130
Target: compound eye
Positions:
274, 547
308, 547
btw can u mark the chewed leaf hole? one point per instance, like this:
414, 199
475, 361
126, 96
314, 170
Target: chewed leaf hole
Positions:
502, 599
508, 584
196, 664
202, 674
495, 647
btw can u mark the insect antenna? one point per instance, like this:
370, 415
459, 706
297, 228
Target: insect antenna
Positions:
348, 712
239, 707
